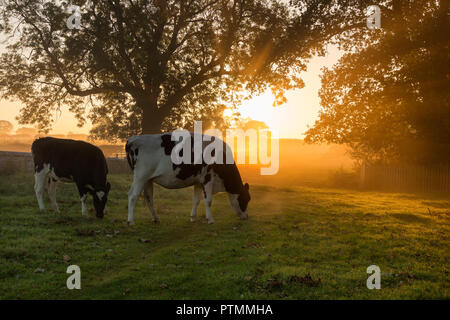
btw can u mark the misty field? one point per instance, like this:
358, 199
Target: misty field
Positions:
299, 243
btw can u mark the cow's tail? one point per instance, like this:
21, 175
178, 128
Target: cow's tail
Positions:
132, 152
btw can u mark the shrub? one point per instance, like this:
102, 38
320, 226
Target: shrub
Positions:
345, 178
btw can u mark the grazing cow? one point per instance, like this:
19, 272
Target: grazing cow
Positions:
70, 161
149, 156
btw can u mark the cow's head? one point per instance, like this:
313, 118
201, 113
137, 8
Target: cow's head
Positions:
100, 198
239, 202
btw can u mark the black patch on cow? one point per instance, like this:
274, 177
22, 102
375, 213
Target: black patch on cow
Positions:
167, 143
204, 192
232, 182
207, 178
186, 170
71, 158
131, 155
229, 173
244, 199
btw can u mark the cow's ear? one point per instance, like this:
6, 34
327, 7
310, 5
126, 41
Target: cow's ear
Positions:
246, 186
108, 186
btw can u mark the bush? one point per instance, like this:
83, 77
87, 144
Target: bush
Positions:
345, 178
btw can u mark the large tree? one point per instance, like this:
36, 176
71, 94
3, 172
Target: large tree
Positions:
141, 66
389, 99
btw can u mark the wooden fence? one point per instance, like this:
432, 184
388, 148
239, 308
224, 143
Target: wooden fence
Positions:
23, 162
406, 179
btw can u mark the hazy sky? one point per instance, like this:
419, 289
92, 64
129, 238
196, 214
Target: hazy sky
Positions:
290, 120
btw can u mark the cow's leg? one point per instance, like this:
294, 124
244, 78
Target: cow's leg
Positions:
83, 192
83, 204
52, 193
197, 197
148, 195
207, 198
133, 195
39, 186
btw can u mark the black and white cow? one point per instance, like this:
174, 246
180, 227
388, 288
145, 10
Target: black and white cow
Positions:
70, 161
149, 156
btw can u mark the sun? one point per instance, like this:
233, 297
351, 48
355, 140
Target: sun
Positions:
258, 108
227, 113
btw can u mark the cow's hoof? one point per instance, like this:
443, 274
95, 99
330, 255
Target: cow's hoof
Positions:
210, 221
193, 219
156, 221
131, 223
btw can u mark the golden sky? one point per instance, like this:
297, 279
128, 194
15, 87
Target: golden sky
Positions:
289, 120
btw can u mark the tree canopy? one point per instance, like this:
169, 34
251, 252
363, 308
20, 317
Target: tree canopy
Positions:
5, 126
140, 66
389, 99
27, 131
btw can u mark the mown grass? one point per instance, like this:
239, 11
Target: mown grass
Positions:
299, 243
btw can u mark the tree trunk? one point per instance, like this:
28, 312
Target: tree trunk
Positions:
152, 117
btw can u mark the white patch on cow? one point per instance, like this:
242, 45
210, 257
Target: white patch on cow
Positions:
40, 179
207, 199
62, 179
52, 194
233, 198
83, 204
148, 196
133, 195
100, 194
196, 201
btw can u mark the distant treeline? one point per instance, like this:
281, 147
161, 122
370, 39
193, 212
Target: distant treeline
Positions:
23, 138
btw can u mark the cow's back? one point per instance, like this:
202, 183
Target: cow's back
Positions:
70, 158
149, 156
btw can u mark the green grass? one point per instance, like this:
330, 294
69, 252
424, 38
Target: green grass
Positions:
332, 235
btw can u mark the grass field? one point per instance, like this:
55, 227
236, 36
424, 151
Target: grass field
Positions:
299, 243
